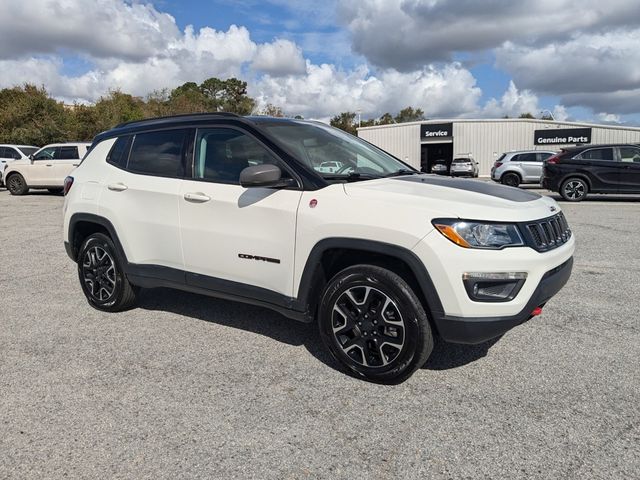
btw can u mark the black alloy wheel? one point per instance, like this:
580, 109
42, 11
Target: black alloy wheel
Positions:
372, 322
511, 179
101, 275
574, 189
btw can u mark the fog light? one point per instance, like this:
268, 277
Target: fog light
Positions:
493, 287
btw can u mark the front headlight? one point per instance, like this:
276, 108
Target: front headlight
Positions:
472, 234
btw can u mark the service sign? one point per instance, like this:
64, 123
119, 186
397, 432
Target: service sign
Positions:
562, 136
436, 130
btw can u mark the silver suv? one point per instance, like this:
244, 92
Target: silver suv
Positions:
525, 166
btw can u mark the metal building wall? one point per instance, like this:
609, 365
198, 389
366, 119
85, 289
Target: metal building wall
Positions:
486, 140
401, 140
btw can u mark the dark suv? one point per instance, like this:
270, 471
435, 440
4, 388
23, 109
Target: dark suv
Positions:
577, 171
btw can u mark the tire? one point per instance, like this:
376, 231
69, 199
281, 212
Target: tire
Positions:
574, 189
360, 336
16, 184
55, 191
102, 277
510, 179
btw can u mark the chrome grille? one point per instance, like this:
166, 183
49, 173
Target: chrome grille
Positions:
549, 233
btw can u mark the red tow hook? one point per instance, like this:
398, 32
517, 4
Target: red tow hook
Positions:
536, 311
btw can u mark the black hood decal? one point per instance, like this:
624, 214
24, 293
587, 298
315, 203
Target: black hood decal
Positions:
477, 186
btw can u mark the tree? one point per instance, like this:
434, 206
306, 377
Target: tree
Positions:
228, 95
386, 119
345, 121
271, 110
546, 116
526, 115
29, 116
409, 114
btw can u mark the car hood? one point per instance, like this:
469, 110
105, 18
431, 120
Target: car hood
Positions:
457, 198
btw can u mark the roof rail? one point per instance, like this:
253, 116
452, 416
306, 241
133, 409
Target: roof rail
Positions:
152, 119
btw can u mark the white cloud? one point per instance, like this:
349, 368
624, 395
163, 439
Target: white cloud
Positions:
326, 90
512, 103
282, 57
608, 117
99, 28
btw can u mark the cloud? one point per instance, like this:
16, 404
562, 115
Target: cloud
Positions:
512, 103
99, 28
282, 57
406, 34
326, 90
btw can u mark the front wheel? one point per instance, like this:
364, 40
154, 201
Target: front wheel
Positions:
374, 325
102, 277
16, 184
574, 189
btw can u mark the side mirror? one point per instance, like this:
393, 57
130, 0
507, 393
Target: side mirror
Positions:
31, 157
266, 175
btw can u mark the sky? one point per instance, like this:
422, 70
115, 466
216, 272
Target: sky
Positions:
578, 59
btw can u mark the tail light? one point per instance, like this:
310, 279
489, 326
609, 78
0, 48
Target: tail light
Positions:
68, 182
497, 164
553, 160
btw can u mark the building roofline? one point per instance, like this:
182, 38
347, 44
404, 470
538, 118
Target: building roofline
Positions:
503, 120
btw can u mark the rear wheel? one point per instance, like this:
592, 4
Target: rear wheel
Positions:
374, 325
16, 184
511, 179
574, 189
102, 277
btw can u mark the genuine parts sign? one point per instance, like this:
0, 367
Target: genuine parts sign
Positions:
562, 136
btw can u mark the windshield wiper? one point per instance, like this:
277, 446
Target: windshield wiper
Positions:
352, 177
403, 171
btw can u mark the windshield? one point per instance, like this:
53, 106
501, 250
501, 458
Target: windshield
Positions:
28, 150
334, 154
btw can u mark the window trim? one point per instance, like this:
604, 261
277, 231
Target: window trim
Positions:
188, 139
286, 166
614, 158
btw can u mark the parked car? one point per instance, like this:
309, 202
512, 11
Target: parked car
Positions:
440, 167
231, 206
44, 169
577, 171
329, 167
465, 167
525, 166
10, 153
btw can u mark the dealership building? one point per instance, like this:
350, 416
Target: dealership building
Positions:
422, 143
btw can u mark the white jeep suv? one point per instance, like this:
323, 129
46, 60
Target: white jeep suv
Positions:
380, 256
45, 169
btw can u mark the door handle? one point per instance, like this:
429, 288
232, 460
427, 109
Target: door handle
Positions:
76, 164
49, 165
117, 187
196, 197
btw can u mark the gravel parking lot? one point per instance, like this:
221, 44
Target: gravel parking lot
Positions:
187, 386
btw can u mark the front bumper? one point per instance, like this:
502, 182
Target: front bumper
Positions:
477, 330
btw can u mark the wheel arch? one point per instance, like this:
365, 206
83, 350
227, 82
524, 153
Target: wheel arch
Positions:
331, 255
81, 225
511, 170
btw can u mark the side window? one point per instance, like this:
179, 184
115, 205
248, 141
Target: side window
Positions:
528, 157
158, 153
4, 152
630, 154
15, 154
543, 156
67, 153
221, 154
45, 154
119, 153
597, 154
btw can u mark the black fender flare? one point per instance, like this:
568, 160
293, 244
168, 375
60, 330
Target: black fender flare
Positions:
76, 218
312, 268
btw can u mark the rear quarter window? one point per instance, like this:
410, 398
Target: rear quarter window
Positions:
119, 153
158, 153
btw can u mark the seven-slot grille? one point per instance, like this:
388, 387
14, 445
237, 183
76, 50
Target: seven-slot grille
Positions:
549, 233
